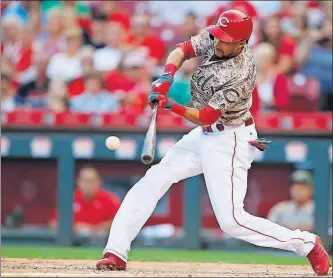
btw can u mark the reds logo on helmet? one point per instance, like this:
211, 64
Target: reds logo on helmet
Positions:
223, 21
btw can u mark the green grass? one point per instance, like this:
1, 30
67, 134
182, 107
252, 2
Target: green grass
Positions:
157, 255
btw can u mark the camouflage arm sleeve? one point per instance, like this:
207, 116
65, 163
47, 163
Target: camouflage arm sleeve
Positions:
201, 43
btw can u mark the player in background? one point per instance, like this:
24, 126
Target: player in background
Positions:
222, 147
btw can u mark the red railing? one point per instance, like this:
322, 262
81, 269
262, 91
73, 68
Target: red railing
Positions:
270, 122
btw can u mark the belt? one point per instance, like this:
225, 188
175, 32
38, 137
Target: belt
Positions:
220, 127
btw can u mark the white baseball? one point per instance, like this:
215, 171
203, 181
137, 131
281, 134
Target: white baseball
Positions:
112, 142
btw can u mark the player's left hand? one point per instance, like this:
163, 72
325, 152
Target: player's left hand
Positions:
161, 100
162, 84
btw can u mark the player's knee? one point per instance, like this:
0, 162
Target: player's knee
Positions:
155, 182
165, 171
230, 223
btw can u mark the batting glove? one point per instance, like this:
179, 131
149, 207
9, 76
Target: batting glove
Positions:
261, 143
162, 84
161, 100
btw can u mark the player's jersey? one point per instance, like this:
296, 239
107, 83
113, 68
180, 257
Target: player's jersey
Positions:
223, 84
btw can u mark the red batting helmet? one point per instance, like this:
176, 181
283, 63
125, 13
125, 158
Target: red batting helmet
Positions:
232, 26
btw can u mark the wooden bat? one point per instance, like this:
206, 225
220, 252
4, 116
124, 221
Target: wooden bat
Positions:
148, 151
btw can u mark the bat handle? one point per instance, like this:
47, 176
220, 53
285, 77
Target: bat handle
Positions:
155, 107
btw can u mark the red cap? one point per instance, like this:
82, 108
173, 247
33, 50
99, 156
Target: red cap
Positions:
232, 26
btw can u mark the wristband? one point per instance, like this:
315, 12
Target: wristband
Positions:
170, 68
178, 109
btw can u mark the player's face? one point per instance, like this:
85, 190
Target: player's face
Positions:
227, 49
88, 183
300, 193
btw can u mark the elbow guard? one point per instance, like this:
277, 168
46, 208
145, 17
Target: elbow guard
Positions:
187, 48
209, 115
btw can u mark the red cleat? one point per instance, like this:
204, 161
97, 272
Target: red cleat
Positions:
110, 262
318, 258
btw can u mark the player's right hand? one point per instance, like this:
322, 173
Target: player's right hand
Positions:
162, 84
161, 100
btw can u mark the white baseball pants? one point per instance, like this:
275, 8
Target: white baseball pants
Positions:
224, 158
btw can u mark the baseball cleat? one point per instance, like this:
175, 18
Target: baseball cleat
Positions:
319, 258
110, 262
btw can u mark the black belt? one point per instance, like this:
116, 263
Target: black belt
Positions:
220, 127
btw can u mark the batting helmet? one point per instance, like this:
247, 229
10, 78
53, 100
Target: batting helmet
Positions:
232, 26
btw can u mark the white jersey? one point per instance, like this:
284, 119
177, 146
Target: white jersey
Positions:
226, 85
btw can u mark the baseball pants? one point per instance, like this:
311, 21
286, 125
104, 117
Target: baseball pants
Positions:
224, 158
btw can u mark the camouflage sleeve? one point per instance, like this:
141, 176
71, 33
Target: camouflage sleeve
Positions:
201, 43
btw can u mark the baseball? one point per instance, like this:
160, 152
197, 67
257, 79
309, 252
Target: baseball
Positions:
112, 142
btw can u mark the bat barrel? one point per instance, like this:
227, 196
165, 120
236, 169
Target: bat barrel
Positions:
148, 151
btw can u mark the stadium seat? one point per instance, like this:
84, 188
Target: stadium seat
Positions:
304, 93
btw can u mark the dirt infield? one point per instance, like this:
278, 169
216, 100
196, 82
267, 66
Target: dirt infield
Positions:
86, 268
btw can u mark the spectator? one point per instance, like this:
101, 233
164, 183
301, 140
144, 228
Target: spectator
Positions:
314, 57
7, 65
70, 19
265, 8
115, 13
48, 6
19, 9
94, 208
87, 59
52, 41
133, 82
141, 35
246, 7
25, 71
4, 6
57, 95
298, 212
271, 91
12, 31
79, 7
190, 26
66, 65
284, 45
98, 35
35, 18
95, 99
26, 11
180, 90
33, 93
8, 93
76, 86
108, 58
291, 15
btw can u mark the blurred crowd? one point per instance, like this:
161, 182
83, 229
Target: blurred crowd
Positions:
102, 56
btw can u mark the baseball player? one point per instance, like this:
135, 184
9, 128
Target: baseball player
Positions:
222, 147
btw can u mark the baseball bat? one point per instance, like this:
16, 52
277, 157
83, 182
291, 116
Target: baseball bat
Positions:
148, 151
